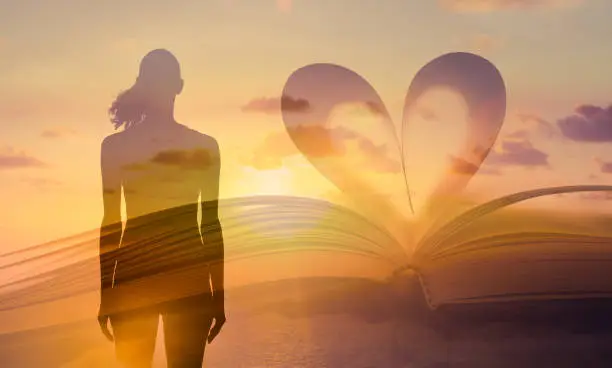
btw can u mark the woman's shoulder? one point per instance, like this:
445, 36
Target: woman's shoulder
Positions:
199, 138
112, 140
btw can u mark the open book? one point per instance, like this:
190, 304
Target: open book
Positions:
458, 259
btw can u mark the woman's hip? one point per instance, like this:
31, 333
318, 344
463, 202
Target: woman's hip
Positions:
167, 285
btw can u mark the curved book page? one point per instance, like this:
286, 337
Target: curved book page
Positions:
253, 227
516, 265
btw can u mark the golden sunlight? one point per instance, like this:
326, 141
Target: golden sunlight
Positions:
268, 182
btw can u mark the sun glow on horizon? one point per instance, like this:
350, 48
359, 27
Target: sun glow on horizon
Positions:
269, 182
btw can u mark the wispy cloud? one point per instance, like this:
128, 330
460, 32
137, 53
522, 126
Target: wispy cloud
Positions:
518, 153
316, 141
482, 6
532, 126
196, 159
42, 183
12, 159
272, 105
57, 132
184, 159
538, 125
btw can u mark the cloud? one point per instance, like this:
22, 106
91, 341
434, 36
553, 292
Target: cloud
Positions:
588, 124
315, 141
270, 153
11, 159
517, 153
57, 133
605, 167
273, 105
519, 134
483, 6
428, 114
538, 125
42, 183
375, 108
462, 166
320, 142
184, 159
289, 103
376, 157
137, 166
516, 149
532, 126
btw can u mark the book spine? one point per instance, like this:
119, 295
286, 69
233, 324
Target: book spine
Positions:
426, 291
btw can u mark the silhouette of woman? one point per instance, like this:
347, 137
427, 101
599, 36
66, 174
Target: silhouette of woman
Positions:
164, 262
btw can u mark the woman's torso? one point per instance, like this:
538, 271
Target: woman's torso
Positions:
162, 175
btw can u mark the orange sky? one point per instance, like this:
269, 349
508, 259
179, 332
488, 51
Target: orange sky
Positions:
59, 77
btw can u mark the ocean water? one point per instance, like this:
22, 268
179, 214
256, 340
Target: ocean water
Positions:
351, 323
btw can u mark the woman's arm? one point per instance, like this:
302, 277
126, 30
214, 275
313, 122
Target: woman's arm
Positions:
210, 227
212, 235
111, 227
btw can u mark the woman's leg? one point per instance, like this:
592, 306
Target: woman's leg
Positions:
135, 333
186, 325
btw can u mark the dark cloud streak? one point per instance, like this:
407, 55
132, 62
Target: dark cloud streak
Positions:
195, 159
273, 105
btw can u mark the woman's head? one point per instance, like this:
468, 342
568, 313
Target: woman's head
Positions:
158, 83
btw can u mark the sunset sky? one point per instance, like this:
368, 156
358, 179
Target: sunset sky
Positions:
63, 62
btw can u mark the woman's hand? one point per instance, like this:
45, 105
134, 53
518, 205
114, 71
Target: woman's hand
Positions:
218, 315
103, 317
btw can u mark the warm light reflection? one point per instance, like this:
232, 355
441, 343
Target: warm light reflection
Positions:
436, 131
